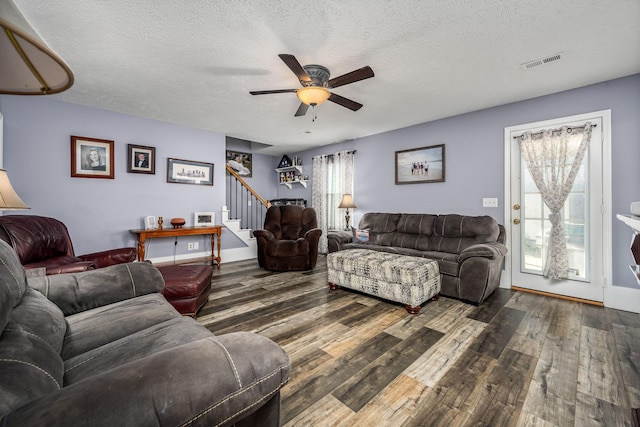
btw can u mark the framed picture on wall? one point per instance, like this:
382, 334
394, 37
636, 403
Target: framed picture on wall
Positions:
204, 219
91, 157
141, 159
189, 172
420, 165
240, 162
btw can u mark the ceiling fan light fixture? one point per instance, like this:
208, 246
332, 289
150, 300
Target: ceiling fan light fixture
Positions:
313, 95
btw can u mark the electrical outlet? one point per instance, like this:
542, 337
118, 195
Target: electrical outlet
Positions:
490, 202
189, 246
196, 245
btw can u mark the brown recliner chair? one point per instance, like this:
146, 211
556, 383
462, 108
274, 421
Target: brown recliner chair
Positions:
289, 240
44, 242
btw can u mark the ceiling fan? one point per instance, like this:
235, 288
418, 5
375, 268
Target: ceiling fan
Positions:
316, 84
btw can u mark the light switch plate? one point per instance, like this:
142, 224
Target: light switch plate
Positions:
490, 202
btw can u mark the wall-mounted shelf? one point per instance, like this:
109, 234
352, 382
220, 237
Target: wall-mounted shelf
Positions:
290, 183
290, 168
291, 175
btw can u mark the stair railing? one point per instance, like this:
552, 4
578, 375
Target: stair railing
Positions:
244, 203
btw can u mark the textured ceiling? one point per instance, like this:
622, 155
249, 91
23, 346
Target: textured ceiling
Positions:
194, 62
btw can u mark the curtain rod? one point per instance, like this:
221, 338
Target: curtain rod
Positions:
336, 154
570, 129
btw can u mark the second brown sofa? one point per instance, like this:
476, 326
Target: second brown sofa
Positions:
470, 250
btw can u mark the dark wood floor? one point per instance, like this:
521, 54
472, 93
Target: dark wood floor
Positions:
517, 360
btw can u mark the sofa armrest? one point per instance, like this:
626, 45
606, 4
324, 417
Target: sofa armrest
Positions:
313, 235
265, 234
75, 267
493, 250
212, 381
111, 257
76, 292
337, 238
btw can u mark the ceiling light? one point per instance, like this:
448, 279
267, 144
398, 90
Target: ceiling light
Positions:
27, 65
313, 95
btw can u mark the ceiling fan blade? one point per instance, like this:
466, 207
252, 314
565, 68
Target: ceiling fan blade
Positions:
352, 77
302, 109
266, 92
345, 102
295, 66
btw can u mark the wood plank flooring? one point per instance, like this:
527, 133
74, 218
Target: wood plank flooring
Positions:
519, 359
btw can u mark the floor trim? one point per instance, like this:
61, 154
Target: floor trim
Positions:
549, 294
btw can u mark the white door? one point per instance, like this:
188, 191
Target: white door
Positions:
583, 217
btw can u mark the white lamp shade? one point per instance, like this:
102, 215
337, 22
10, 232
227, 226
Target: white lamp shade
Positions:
27, 65
9, 199
347, 202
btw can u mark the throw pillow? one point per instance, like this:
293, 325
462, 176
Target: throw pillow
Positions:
360, 236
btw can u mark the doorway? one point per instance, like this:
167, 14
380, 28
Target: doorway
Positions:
585, 215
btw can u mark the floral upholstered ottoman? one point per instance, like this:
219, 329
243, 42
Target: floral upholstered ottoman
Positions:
405, 279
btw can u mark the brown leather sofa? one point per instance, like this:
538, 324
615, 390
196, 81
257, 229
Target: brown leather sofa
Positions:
289, 240
44, 242
469, 250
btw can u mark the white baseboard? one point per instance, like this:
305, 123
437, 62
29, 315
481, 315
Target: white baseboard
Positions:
622, 298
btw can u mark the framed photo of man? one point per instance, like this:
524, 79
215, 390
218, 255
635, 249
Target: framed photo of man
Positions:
141, 159
91, 157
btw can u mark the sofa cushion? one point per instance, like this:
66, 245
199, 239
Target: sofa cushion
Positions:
289, 222
288, 248
454, 233
94, 328
85, 290
134, 346
382, 227
30, 362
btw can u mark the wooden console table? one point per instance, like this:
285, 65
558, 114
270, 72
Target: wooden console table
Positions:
215, 232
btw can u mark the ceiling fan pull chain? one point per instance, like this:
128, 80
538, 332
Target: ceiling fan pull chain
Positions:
315, 116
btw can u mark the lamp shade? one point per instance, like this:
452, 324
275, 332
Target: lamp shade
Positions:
9, 199
27, 65
313, 95
347, 202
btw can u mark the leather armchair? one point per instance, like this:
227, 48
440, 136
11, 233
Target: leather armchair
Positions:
43, 242
289, 240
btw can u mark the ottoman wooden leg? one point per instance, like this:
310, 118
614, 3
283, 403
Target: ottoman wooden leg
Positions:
436, 297
333, 286
411, 309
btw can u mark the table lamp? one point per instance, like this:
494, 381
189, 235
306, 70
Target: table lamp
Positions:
347, 202
9, 199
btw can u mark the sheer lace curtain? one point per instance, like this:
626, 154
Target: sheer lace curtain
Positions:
332, 177
553, 158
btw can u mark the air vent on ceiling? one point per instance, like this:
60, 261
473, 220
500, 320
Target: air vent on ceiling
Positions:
542, 61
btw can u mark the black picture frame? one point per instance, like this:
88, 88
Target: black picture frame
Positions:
420, 165
147, 166
181, 171
240, 162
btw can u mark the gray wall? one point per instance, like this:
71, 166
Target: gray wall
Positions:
475, 159
99, 212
